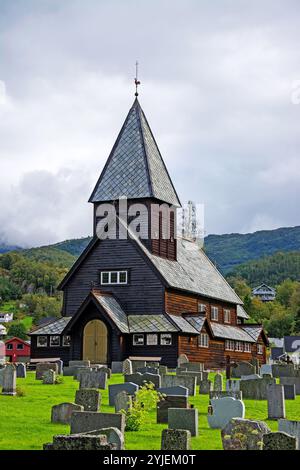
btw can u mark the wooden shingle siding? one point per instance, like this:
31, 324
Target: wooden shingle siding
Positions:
144, 293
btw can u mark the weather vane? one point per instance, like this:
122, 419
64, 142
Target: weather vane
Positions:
136, 80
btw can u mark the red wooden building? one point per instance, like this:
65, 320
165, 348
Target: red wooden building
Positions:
17, 350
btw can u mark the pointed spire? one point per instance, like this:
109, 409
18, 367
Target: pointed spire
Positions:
135, 167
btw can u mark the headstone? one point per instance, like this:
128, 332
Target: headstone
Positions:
250, 377
62, 413
114, 389
171, 401
80, 442
84, 421
162, 370
222, 410
123, 402
117, 367
93, 379
127, 367
175, 439
289, 392
145, 370
142, 379
113, 435
105, 369
84, 363
279, 441
185, 381
291, 381
9, 379
176, 390
194, 366
218, 382
1, 376
228, 393
182, 359
233, 385
60, 366
49, 377
276, 404
183, 418
256, 389
283, 370
190, 373
205, 387
89, 398
290, 427
243, 434
136, 364
255, 362
43, 367
80, 371
21, 370
266, 369
243, 368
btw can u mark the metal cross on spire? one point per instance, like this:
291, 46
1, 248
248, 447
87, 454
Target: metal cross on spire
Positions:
136, 80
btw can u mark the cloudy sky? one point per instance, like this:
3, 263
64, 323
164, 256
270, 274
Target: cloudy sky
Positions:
220, 88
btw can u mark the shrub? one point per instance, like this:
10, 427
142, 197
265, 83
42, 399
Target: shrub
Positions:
59, 380
146, 399
20, 392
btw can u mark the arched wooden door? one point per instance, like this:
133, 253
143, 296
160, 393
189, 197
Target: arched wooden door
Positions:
95, 339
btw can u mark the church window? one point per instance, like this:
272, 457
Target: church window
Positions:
214, 313
203, 340
259, 349
166, 339
247, 347
152, 339
239, 346
42, 341
66, 341
138, 340
113, 277
54, 341
229, 345
201, 308
227, 316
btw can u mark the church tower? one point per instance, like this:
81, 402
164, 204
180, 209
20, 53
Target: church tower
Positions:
136, 171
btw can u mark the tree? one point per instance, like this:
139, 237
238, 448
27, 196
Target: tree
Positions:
240, 286
284, 292
18, 330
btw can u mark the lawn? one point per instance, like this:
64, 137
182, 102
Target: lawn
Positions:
25, 421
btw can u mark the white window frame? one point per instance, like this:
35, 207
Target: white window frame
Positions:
203, 340
247, 347
54, 345
63, 341
134, 343
201, 308
229, 345
260, 349
227, 315
239, 346
118, 282
150, 337
162, 339
214, 313
38, 341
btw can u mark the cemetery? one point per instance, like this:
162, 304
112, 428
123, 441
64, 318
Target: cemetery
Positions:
89, 408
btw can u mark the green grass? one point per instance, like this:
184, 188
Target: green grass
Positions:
25, 421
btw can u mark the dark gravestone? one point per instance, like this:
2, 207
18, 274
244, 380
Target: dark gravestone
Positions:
114, 389
89, 398
43, 367
242, 368
175, 439
291, 381
289, 392
183, 418
256, 389
21, 370
279, 441
276, 403
176, 390
84, 421
167, 402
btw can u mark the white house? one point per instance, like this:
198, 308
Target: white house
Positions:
264, 292
6, 317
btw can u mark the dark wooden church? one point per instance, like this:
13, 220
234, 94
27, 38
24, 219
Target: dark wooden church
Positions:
152, 296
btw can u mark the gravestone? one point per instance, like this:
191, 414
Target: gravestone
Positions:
136, 364
127, 367
218, 382
205, 375
182, 359
185, 381
60, 366
243, 434
49, 377
1, 376
183, 418
93, 379
289, 392
290, 427
242, 368
114, 389
147, 369
198, 375
256, 389
21, 370
9, 380
105, 369
113, 435
276, 404
171, 401
228, 393
233, 385
250, 377
80, 371
291, 381
84, 421
175, 439
279, 441
84, 363
162, 370
266, 369
222, 410
176, 390
89, 398
205, 387
283, 370
194, 366
141, 379
62, 413
255, 362
123, 401
117, 367
43, 367
80, 442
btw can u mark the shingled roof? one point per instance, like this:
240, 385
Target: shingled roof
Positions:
135, 167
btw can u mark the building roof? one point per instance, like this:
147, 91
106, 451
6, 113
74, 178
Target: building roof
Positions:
263, 288
18, 340
150, 324
135, 167
291, 343
56, 327
231, 332
241, 312
113, 310
253, 330
184, 325
197, 321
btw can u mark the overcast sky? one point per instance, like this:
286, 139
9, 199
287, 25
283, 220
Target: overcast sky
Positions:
219, 89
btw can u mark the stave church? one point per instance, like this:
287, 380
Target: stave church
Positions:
142, 294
